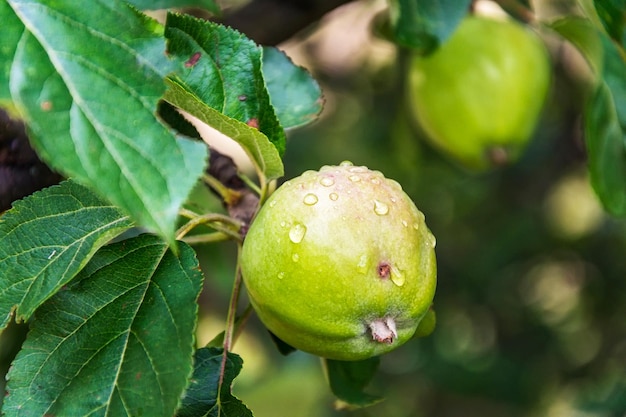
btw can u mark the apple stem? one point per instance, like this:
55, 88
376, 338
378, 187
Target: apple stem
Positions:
384, 330
230, 319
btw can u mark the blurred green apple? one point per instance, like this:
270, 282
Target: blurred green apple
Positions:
479, 96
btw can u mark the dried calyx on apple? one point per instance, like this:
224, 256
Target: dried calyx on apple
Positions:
340, 263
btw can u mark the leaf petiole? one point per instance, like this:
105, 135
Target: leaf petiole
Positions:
220, 222
231, 318
229, 195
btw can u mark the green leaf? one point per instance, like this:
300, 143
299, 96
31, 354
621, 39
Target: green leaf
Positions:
12, 30
223, 69
223, 72
46, 239
118, 341
424, 25
210, 5
348, 379
88, 80
612, 13
605, 111
201, 398
261, 151
605, 136
295, 95
584, 36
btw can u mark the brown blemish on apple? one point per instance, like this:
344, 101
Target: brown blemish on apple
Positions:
384, 270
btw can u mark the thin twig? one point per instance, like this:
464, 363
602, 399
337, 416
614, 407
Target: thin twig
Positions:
217, 221
230, 319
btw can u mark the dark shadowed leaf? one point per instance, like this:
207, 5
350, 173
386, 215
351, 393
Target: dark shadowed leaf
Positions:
210, 5
348, 379
295, 95
118, 341
612, 13
46, 239
605, 111
87, 80
424, 25
201, 397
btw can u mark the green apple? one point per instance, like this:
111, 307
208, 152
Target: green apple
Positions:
340, 263
479, 96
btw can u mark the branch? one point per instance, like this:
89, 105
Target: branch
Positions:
21, 171
223, 168
270, 22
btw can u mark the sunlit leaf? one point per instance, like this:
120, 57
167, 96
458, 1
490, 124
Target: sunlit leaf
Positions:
46, 239
262, 152
222, 85
88, 80
201, 397
118, 341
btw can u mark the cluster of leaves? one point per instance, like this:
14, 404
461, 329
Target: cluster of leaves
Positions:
112, 311
112, 324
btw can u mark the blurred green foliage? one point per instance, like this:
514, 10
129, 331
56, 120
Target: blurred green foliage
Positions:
531, 295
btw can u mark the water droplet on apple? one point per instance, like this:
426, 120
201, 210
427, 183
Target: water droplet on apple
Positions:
273, 203
295, 257
397, 277
333, 196
363, 264
432, 241
354, 178
380, 208
281, 275
346, 164
405, 223
327, 181
297, 232
394, 184
310, 199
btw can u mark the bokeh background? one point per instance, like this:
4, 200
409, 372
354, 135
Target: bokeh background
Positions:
531, 297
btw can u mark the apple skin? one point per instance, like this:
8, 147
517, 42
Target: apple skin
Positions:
478, 97
340, 263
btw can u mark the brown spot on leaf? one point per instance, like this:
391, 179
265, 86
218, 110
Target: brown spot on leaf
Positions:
46, 105
193, 60
254, 122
